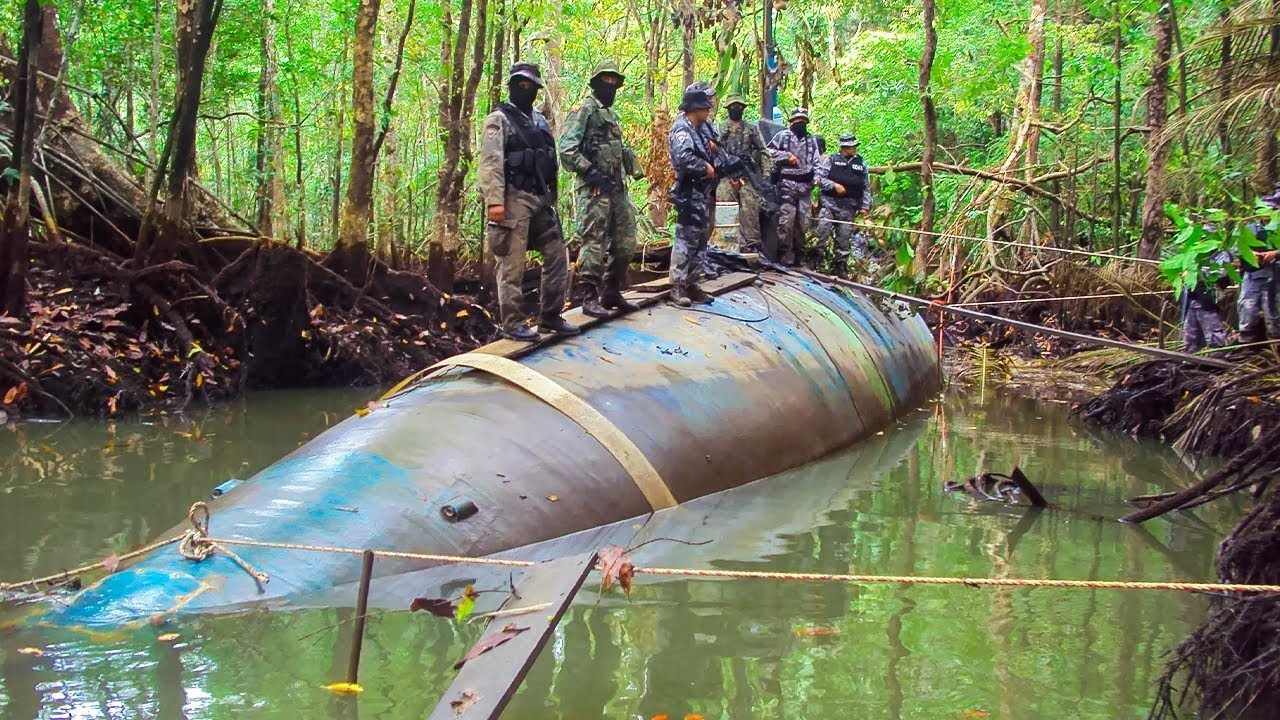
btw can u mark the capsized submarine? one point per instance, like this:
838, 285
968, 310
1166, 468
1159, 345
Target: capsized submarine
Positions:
781, 371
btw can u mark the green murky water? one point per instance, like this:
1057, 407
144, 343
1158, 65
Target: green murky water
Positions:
721, 649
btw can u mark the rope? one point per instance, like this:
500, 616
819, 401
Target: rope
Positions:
196, 545
1007, 243
393, 554
69, 574
1057, 299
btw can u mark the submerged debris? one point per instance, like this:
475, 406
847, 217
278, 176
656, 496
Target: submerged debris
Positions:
999, 487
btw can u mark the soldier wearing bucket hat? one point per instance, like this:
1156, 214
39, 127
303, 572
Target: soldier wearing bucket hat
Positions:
743, 139
1257, 303
846, 192
693, 196
592, 148
796, 156
518, 181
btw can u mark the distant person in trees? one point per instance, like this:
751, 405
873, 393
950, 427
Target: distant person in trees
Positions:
693, 195
796, 155
592, 148
1256, 305
744, 140
518, 180
846, 194
1202, 324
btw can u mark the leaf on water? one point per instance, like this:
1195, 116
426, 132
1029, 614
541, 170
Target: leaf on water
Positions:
111, 562
615, 567
168, 637
464, 702
440, 607
63, 291
661, 716
15, 394
553, 498
344, 688
489, 643
693, 716
973, 714
462, 313
467, 604
32, 651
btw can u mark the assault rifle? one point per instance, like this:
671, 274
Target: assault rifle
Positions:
732, 167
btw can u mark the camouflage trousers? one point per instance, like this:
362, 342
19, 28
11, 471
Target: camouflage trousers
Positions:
1256, 306
693, 230
531, 224
606, 226
793, 219
748, 213
834, 217
1202, 327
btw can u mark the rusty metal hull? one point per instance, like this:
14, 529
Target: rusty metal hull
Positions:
769, 378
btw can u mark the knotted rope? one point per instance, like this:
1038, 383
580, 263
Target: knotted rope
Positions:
196, 545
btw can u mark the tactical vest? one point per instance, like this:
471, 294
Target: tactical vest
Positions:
602, 143
849, 172
530, 151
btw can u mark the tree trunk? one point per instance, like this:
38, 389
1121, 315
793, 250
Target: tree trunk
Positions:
1055, 212
299, 185
1264, 178
335, 207
924, 245
15, 234
1116, 137
352, 251
153, 98
1035, 83
457, 104
158, 240
688, 37
1224, 80
1157, 143
390, 173
498, 71
270, 161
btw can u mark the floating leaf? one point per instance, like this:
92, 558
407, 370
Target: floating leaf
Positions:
15, 394
440, 607
32, 651
467, 604
111, 562
973, 714
489, 643
615, 567
693, 716
817, 631
462, 313
168, 637
464, 702
344, 688
553, 498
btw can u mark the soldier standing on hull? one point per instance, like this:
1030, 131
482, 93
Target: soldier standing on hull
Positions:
744, 140
517, 178
1201, 317
606, 222
846, 193
796, 155
1256, 305
693, 195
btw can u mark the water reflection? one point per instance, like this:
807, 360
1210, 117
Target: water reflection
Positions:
724, 649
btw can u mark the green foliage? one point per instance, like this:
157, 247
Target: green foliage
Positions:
1199, 245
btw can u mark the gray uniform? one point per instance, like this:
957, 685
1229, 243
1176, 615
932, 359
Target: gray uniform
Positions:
693, 197
1256, 304
795, 187
1202, 323
837, 212
531, 221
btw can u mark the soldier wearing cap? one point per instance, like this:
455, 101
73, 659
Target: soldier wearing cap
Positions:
1256, 305
846, 193
744, 140
518, 181
592, 148
692, 159
796, 155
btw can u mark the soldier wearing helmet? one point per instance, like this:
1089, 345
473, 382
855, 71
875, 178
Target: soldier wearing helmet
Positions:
797, 155
592, 148
743, 139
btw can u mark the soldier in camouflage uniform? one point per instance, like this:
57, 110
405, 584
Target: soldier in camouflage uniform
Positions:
693, 195
846, 193
592, 148
796, 156
743, 139
518, 178
1256, 305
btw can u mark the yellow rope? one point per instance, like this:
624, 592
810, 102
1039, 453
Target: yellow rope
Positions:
393, 554
69, 574
196, 545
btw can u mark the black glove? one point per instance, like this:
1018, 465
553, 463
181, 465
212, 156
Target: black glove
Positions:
597, 180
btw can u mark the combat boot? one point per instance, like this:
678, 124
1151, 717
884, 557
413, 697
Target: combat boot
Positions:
679, 297
557, 325
613, 299
699, 296
591, 306
519, 333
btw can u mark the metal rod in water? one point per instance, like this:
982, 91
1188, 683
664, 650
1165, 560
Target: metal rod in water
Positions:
362, 606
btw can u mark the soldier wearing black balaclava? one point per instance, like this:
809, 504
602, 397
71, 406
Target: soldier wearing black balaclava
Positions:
796, 155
